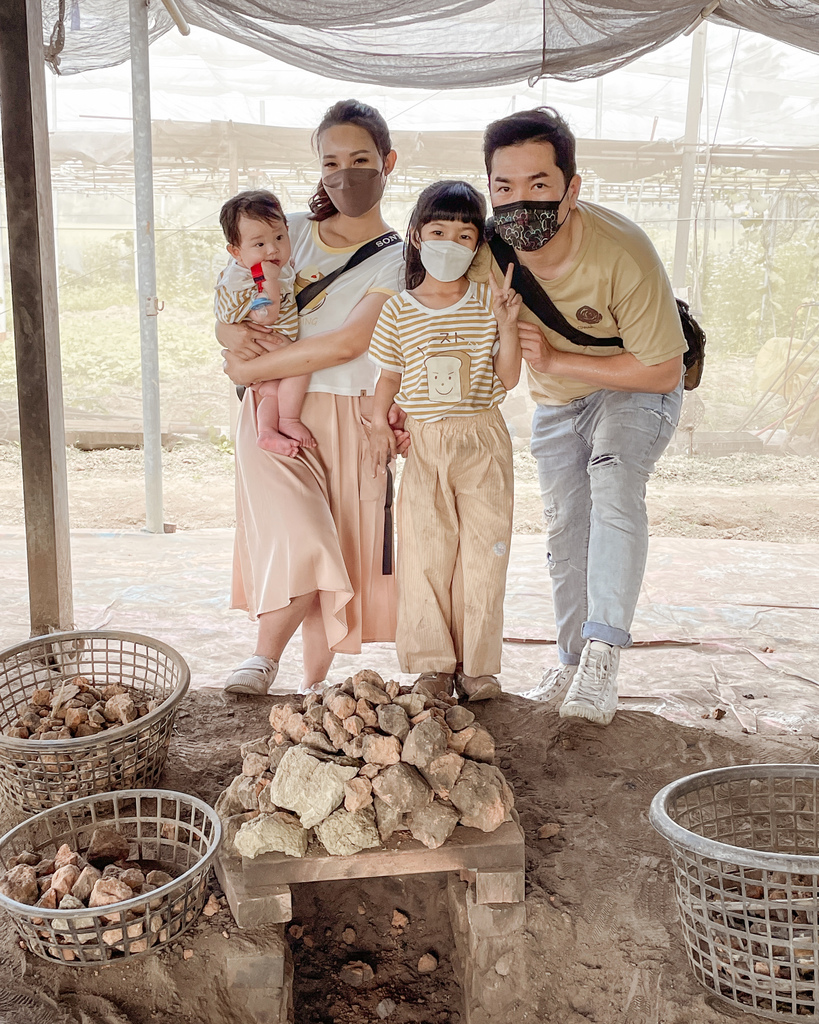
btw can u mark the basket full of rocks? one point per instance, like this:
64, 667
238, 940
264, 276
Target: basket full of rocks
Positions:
359, 762
85, 712
110, 876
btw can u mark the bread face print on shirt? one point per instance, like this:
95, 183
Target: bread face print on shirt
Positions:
447, 377
307, 276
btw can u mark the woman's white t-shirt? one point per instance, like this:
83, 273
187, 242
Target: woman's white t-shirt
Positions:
382, 272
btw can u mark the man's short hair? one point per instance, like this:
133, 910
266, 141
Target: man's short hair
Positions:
543, 124
257, 204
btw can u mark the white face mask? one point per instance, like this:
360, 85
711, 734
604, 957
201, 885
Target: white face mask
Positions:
446, 261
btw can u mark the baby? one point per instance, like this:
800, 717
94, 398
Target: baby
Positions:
257, 285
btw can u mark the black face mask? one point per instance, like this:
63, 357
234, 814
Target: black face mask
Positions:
528, 225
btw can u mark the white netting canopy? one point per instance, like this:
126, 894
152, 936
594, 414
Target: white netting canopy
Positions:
431, 44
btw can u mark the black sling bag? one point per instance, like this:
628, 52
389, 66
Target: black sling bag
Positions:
538, 302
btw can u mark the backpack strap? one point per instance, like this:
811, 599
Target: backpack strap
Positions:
537, 300
363, 252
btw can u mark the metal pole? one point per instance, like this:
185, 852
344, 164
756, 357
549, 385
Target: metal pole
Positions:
689, 160
146, 264
598, 127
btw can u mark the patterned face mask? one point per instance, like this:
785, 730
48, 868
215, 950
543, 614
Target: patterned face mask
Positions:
528, 225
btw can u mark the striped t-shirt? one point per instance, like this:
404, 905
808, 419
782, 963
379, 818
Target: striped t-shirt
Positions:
445, 356
236, 291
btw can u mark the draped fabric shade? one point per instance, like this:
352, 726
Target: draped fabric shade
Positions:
429, 44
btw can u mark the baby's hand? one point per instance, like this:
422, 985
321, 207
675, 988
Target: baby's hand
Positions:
271, 270
506, 302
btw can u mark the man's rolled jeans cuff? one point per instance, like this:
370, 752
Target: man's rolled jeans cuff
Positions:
608, 634
567, 659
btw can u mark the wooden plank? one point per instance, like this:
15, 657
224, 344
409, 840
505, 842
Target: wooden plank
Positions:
34, 299
501, 850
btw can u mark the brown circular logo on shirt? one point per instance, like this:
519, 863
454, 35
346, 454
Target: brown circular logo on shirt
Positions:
587, 315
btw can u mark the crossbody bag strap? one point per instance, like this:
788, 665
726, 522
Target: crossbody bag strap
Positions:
363, 252
537, 300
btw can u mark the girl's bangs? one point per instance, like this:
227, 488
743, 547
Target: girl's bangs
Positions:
455, 207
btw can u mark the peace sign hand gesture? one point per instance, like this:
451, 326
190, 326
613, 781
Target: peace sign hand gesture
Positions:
506, 302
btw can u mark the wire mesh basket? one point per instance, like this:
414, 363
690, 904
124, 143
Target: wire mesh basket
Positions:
37, 774
745, 850
178, 833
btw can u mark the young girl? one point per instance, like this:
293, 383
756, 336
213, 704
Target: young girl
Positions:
448, 353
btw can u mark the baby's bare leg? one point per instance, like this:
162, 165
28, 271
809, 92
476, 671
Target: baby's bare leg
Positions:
291, 397
267, 422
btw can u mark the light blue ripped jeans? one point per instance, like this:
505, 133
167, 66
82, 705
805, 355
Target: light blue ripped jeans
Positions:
594, 458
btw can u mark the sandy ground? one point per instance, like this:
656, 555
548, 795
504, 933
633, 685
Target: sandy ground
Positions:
602, 942
743, 496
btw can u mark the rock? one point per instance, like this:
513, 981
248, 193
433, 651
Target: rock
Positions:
279, 831
482, 797
427, 964
120, 709
69, 902
26, 857
481, 747
310, 699
17, 732
367, 675
20, 884
549, 830
369, 771
424, 743
314, 716
334, 729
296, 728
187, 954
85, 883
41, 698
355, 747
387, 819
279, 716
353, 725
277, 753
48, 900
63, 879
108, 891
458, 740
348, 936
399, 920
385, 1008
365, 690
158, 878
87, 729
402, 788
433, 825
343, 833
132, 877
357, 974
318, 740
240, 796
64, 693
65, 855
443, 773
366, 714
75, 717
378, 749
211, 907
254, 764
358, 793
311, 788
266, 805
393, 720
458, 717
341, 705
107, 846
254, 747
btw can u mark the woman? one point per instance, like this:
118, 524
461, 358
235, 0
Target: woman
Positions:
310, 530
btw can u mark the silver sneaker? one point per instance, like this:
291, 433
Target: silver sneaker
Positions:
554, 684
254, 676
593, 693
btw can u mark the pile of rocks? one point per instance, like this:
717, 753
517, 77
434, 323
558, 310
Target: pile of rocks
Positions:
359, 762
109, 873
75, 709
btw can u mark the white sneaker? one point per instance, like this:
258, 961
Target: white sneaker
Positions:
593, 693
554, 684
254, 676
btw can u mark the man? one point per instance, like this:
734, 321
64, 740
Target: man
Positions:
604, 414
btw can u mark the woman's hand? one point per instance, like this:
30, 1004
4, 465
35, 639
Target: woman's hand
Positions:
535, 349
245, 340
396, 418
238, 368
383, 446
506, 302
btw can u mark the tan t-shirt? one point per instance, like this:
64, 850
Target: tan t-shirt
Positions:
616, 286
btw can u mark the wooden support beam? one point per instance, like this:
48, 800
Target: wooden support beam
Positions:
33, 272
